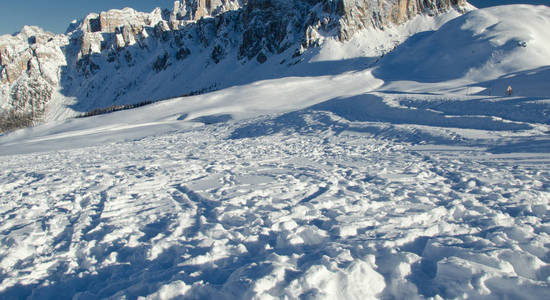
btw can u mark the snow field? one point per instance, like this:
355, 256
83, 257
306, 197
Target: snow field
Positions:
311, 215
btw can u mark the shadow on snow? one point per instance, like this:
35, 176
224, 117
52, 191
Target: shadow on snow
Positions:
346, 114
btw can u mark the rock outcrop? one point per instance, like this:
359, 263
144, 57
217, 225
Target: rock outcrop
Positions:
193, 10
355, 15
106, 55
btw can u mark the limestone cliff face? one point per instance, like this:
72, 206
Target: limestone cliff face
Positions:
346, 17
104, 56
127, 25
193, 10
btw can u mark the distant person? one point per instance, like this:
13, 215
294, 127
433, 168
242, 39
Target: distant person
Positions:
509, 91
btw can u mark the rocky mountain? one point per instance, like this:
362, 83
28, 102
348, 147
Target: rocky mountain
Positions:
124, 56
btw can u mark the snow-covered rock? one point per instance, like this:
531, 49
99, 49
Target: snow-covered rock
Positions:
30, 69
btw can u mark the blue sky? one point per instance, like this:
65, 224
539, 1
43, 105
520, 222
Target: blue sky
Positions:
56, 15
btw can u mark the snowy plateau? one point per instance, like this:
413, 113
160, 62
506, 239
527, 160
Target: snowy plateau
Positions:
391, 164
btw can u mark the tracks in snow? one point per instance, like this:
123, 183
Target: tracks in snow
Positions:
277, 215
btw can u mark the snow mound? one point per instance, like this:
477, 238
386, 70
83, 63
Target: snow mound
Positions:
479, 46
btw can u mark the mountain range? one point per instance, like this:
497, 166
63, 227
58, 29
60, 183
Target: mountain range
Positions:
123, 57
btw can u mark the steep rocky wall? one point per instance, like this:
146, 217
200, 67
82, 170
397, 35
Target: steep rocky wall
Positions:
347, 17
193, 10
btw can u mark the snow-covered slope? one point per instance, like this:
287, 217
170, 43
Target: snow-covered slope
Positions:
481, 47
337, 178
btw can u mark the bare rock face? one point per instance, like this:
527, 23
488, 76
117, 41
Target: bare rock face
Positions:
113, 19
127, 24
192, 10
104, 56
346, 17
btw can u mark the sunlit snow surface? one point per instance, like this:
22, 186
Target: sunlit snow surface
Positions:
361, 185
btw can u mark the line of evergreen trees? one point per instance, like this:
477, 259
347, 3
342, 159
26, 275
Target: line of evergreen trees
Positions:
11, 120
